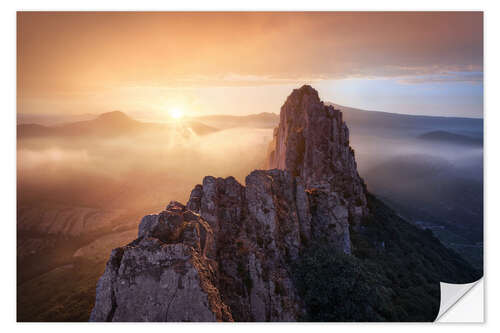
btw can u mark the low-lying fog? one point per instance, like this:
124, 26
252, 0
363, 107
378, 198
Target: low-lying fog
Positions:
135, 172
146, 171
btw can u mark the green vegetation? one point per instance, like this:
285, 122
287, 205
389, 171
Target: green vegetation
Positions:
53, 285
472, 252
66, 293
393, 274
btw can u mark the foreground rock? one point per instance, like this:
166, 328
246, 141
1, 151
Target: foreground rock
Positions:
257, 235
163, 275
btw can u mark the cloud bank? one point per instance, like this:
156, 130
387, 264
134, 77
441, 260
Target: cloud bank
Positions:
78, 53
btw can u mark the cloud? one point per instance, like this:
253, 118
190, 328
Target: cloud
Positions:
462, 77
70, 53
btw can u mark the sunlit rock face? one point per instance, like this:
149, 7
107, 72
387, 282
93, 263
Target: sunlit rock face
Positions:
258, 235
228, 254
164, 275
312, 141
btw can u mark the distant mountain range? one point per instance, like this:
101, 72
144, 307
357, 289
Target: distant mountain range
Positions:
359, 121
115, 123
447, 137
260, 120
365, 122
411, 123
53, 119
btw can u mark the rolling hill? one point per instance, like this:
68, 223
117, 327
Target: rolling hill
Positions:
110, 124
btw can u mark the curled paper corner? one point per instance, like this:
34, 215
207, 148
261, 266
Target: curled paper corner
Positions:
461, 303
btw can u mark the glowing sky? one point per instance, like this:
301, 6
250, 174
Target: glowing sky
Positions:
148, 63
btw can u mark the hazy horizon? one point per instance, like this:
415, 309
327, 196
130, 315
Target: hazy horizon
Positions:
51, 119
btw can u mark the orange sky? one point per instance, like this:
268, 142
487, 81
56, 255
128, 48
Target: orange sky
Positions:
93, 62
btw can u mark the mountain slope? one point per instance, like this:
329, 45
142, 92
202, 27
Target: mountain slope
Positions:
363, 120
393, 274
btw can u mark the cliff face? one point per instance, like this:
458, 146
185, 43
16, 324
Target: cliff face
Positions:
312, 142
227, 254
259, 229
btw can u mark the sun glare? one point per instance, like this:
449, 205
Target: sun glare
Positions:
176, 113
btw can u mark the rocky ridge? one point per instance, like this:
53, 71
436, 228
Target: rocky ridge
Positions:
227, 254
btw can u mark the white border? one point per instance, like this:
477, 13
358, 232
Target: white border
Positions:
8, 181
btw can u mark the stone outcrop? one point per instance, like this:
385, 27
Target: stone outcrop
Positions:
227, 255
312, 142
164, 275
258, 234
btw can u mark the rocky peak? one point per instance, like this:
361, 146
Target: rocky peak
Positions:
114, 116
312, 142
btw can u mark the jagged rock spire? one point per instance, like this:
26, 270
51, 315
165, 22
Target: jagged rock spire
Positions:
312, 142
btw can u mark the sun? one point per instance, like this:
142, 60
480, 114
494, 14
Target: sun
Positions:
176, 113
